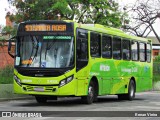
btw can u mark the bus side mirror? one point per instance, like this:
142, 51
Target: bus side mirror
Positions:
11, 46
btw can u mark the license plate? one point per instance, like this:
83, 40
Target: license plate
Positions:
40, 89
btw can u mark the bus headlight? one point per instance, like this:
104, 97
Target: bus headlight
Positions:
18, 81
65, 81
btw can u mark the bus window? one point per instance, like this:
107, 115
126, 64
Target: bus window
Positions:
106, 46
82, 48
126, 49
134, 49
116, 48
148, 53
95, 46
82, 45
142, 52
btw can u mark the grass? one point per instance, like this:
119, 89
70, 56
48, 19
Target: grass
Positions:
6, 75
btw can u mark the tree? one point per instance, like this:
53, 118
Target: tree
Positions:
9, 31
144, 15
86, 11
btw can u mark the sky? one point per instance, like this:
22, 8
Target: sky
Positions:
157, 23
4, 5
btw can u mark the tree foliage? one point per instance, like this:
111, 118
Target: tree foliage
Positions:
144, 13
86, 11
11, 31
157, 59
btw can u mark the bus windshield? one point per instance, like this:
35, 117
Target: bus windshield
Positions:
45, 51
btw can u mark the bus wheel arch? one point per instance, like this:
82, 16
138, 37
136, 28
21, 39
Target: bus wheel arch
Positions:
92, 92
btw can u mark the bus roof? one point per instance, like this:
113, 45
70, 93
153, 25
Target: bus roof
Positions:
110, 31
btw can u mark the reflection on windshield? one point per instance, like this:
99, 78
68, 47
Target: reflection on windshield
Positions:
45, 51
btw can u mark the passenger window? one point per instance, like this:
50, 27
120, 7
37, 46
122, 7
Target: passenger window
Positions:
134, 50
95, 44
142, 51
148, 52
106, 46
126, 49
116, 48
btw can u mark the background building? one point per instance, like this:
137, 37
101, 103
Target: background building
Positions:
5, 59
155, 46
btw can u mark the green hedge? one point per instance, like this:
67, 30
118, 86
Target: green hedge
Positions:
156, 71
6, 75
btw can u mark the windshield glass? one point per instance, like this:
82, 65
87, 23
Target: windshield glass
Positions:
45, 51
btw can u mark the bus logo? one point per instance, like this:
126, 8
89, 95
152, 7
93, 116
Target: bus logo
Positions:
104, 68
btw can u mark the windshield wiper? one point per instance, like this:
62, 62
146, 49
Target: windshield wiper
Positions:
55, 56
49, 47
34, 46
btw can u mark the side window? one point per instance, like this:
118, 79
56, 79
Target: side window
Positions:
116, 48
148, 52
134, 50
95, 44
106, 46
81, 49
142, 51
82, 44
126, 49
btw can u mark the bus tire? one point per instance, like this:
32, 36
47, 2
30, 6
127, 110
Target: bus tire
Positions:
91, 94
40, 99
131, 92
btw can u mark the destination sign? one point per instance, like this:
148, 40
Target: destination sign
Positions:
57, 37
45, 27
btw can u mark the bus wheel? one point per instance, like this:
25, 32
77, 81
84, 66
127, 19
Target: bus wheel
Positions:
91, 94
40, 99
131, 90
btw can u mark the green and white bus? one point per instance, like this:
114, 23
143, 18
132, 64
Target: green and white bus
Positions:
65, 58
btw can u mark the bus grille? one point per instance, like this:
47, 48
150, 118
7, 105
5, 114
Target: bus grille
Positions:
40, 88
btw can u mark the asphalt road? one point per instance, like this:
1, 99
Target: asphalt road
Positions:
145, 106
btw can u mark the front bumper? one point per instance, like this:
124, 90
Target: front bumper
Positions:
55, 90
